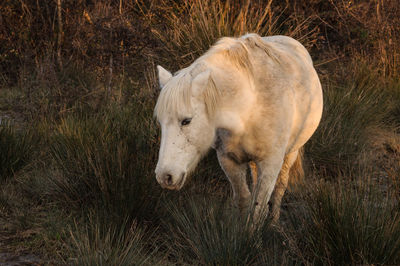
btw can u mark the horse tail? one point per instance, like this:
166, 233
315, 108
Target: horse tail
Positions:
296, 172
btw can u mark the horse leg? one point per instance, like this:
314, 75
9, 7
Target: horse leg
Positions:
269, 171
281, 185
254, 174
236, 174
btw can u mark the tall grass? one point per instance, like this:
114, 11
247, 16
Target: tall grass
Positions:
192, 27
351, 108
106, 162
209, 231
16, 148
347, 223
102, 243
326, 223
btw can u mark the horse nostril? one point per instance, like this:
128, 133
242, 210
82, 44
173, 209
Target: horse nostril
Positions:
168, 180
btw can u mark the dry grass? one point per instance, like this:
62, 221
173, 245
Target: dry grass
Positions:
193, 27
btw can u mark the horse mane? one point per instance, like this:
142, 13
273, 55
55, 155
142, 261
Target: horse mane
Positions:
176, 94
237, 50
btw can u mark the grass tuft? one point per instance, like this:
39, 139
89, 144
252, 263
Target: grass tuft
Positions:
212, 232
347, 222
16, 148
350, 109
104, 163
106, 244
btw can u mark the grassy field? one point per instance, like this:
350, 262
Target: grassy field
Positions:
78, 142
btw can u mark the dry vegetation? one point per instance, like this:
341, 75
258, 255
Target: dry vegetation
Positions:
78, 143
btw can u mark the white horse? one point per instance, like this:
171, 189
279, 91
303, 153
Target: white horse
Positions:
255, 100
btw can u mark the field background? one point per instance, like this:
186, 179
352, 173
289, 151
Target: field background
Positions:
78, 144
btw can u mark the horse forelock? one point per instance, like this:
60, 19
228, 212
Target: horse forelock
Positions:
175, 96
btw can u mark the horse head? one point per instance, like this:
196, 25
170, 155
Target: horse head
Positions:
187, 131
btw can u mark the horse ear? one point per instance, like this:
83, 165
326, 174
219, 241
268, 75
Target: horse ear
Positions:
200, 82
163, 75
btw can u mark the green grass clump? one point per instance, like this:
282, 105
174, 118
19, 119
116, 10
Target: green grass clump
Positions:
102, 243
16, 148
212, 232
106, 162
344, 223
350, 109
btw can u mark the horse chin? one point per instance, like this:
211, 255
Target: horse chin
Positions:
182, 179
192, 165
178, 186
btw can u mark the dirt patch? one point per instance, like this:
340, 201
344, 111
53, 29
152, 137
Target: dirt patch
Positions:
8, 259
384, 157
13, 251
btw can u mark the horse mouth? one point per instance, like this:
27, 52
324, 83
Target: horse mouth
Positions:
181, 182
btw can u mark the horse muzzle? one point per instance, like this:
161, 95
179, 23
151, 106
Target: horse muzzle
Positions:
170, 181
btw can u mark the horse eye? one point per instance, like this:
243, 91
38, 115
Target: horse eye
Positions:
186, 121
